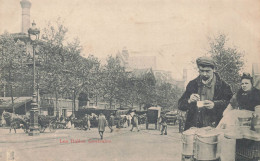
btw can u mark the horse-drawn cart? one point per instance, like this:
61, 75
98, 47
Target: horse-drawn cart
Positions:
47, 122
15, 121
153, 115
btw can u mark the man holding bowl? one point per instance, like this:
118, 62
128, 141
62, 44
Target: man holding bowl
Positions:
206, 97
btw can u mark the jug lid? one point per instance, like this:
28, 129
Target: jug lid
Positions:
190, 131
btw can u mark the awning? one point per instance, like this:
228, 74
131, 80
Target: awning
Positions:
155, 108
6, 102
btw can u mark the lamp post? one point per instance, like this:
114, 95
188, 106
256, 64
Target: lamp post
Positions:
73, 102
34, 129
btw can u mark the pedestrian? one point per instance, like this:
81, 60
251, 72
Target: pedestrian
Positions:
163, 123
61, 119
134, 122
129, 117
68, 124
101, 124
111, 122
87, 122
3, 122
206, 97
124, 121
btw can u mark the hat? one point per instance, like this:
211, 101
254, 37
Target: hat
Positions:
247, 76
205, 61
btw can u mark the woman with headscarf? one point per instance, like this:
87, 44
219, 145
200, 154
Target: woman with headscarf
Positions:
242, 103
247, 97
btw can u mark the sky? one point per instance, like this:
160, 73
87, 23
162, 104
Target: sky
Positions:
175, 31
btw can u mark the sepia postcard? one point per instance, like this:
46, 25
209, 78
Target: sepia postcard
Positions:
129, 80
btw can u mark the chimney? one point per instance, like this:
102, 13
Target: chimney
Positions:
184, 77
125, 53
26, 6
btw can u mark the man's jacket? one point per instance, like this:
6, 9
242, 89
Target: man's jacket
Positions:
205, 117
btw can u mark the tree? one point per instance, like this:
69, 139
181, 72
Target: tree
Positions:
62, 65
229, 61
148, 92
143, 88
113, 77
52, 51
11, 67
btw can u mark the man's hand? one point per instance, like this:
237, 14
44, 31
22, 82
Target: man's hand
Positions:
208, 104
194, 98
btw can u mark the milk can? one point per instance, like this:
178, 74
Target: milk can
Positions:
228, 147
256, 120
206, 146
188, 141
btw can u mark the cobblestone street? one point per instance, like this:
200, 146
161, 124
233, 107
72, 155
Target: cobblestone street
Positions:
74, 144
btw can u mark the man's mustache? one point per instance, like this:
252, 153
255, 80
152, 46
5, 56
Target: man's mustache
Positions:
205, 78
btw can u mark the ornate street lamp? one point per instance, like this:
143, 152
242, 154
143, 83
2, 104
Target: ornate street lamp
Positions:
34, 129
73, 102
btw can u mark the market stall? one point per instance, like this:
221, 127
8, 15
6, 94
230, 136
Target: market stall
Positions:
237, 138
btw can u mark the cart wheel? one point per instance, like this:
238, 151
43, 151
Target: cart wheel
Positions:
52, 127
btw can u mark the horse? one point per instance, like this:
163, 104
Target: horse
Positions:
45, 121
16, 121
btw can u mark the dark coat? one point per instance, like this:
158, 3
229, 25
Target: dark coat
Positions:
246, 100
163, 120
102, 123
111, 121
206, 117
134, 120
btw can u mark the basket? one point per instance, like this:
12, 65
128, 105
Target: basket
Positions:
248, 148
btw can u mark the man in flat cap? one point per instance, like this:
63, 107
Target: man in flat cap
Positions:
206, 97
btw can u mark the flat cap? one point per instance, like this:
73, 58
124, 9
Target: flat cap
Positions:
205, 61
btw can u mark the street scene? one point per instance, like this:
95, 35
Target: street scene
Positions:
129, 80
122, 144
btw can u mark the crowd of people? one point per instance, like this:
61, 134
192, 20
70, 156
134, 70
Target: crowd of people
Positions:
130, 120
110, 122
124, 121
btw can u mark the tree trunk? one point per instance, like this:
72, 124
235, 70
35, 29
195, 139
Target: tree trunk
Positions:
56, 101
110, 104
96, 100
11, 86
25, 108
74, 102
